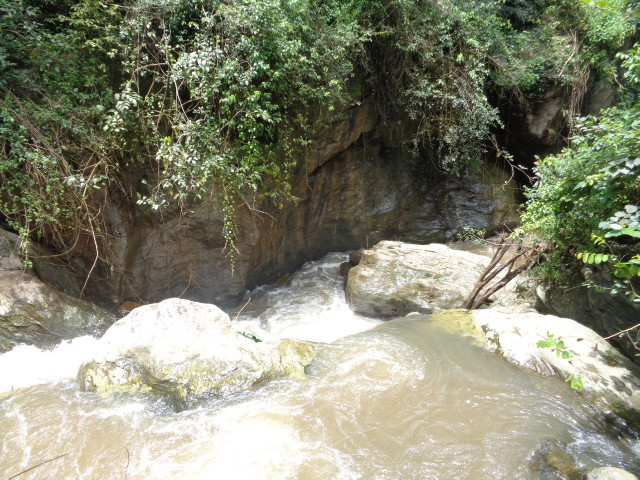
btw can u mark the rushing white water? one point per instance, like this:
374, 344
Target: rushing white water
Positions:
27, 365
300, 309
403, 400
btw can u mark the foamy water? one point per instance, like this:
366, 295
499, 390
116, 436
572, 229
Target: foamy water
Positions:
300, 309
26, 365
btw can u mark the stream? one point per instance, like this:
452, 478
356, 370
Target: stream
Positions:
383, 400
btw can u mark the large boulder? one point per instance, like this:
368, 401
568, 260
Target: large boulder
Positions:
610, 381
395, 278
185, 353
34, 313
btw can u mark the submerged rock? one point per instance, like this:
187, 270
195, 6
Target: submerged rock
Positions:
185, 353
33, 313
552, 458
395, 278
610, 381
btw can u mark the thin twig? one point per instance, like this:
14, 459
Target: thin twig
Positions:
620, 332
126, 475
240, 311
36, 466
95, 260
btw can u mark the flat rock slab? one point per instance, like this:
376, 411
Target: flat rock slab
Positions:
611, 382
185, 353
396, 278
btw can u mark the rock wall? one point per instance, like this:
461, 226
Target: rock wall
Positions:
353, 191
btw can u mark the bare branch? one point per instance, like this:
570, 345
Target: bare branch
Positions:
38, 465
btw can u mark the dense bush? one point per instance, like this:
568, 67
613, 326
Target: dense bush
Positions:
585, 203
173, 102
579, 190
202, 96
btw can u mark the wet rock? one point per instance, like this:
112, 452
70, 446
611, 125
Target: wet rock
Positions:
610, 473
9, 260
611, 382
395, 278
552, 458
126, 307
361, 197
47, 265
185, 353
34, 313
344, 132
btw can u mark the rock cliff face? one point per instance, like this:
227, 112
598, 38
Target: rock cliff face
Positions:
352, 191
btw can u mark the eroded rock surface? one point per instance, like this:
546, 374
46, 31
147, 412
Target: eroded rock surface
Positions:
355, 187
544, 121
185, 353
395, 278
593, 307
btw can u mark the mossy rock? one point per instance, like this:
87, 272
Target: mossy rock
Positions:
186, 353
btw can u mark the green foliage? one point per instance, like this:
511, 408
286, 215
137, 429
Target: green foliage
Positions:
429, 60
206, 96
251, 336
557, 345
219, 94
589, 194
562, 44
178, 102
575, 381
631, 64
54, 89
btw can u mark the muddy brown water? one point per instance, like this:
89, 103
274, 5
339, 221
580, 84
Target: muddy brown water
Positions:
398, 400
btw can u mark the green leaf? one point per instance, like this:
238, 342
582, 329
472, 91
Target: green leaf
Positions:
576, 381
631, 232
